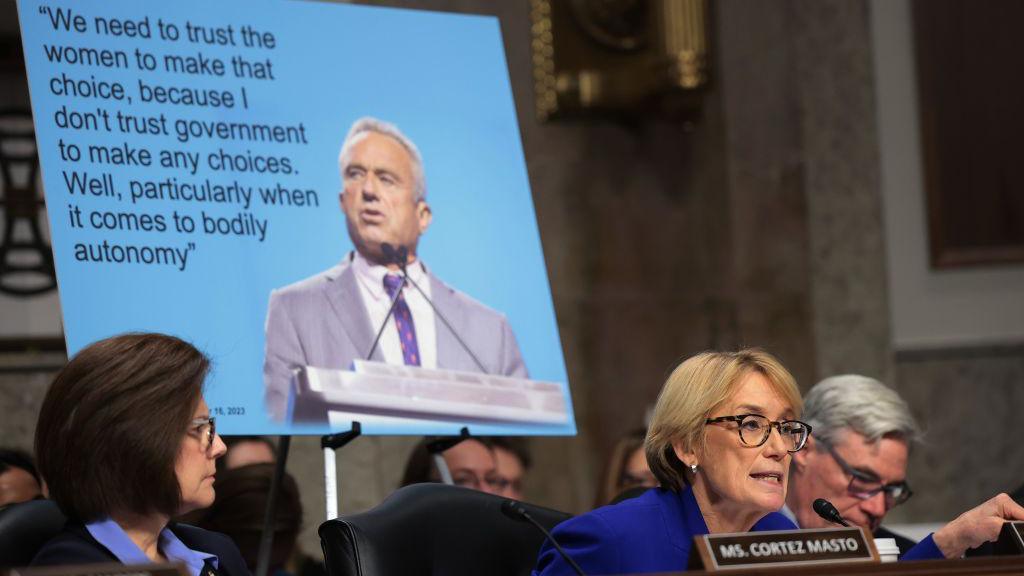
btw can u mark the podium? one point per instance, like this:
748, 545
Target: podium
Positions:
390, 390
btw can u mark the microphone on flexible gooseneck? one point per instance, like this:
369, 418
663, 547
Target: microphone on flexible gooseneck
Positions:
390, 256
401, 257
826, 510
517, 511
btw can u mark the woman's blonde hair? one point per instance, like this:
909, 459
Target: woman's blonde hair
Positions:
693, 390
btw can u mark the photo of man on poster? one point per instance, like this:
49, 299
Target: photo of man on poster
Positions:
331, 318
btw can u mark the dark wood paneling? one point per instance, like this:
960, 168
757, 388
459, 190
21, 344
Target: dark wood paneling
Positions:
971, 92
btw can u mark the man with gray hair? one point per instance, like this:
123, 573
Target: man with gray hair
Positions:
330, 319
856, 457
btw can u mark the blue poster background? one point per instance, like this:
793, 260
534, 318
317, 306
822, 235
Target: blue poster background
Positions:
441, 78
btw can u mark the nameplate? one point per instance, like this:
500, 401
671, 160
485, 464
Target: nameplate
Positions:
785, 548
175, 569
1011, 539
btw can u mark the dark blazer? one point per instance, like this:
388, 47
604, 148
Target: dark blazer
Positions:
650, 533
75, 545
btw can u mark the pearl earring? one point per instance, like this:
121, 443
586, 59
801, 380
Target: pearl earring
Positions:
693, 468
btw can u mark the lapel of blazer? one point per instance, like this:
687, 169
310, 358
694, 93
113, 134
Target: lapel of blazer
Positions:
685, 512
342, 291
449, 351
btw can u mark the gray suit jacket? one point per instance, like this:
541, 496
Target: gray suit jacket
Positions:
321, 321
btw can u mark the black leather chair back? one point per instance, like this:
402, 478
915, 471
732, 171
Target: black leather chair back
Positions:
435, 530
25, 527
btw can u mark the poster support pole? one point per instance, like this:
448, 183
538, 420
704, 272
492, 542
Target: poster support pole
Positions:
267, 537
330, 444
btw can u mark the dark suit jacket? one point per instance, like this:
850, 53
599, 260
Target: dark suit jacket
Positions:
76, 546
650, 533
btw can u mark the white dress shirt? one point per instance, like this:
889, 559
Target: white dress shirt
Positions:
370, 278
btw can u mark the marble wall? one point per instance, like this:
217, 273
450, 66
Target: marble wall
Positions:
969, 401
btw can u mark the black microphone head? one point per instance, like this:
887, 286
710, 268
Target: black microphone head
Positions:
402, 257
513, 510
826, 510
389, 252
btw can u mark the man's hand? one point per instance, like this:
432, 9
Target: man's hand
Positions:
977, 526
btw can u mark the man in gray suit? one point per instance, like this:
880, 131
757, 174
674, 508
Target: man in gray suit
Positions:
330, 319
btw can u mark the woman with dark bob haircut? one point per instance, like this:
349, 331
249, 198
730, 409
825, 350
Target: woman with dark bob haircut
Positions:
125, 442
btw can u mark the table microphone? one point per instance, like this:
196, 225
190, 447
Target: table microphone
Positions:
517, 511
826, 510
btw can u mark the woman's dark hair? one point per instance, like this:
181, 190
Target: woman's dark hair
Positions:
516, 445
112, 424
419, 467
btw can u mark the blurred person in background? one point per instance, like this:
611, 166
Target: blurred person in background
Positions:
626, 470
238, 512
19, 480
513, 460
245, 450
857, 456
471, 462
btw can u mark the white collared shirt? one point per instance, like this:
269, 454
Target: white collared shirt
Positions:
370, 278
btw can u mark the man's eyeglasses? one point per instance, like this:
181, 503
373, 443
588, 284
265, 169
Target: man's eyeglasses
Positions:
864, 485
754, 430
206, 430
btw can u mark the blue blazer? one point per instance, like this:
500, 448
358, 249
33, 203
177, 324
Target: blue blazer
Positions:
650, 533
75, 545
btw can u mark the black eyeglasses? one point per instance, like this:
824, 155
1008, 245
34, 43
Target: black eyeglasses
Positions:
863, 485
754, 430
206, 429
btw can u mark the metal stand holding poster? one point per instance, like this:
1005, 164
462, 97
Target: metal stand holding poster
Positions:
436, 449
330, 444
267, 538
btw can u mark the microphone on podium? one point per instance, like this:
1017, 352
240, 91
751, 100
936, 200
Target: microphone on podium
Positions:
826, 510
517, 511
400, 256
391, 256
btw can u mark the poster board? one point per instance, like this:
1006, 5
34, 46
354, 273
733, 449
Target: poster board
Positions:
189, 154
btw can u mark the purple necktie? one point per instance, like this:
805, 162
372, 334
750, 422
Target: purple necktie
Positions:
403, 321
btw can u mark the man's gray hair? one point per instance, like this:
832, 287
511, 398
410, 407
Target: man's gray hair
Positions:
861, 404
370, 124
